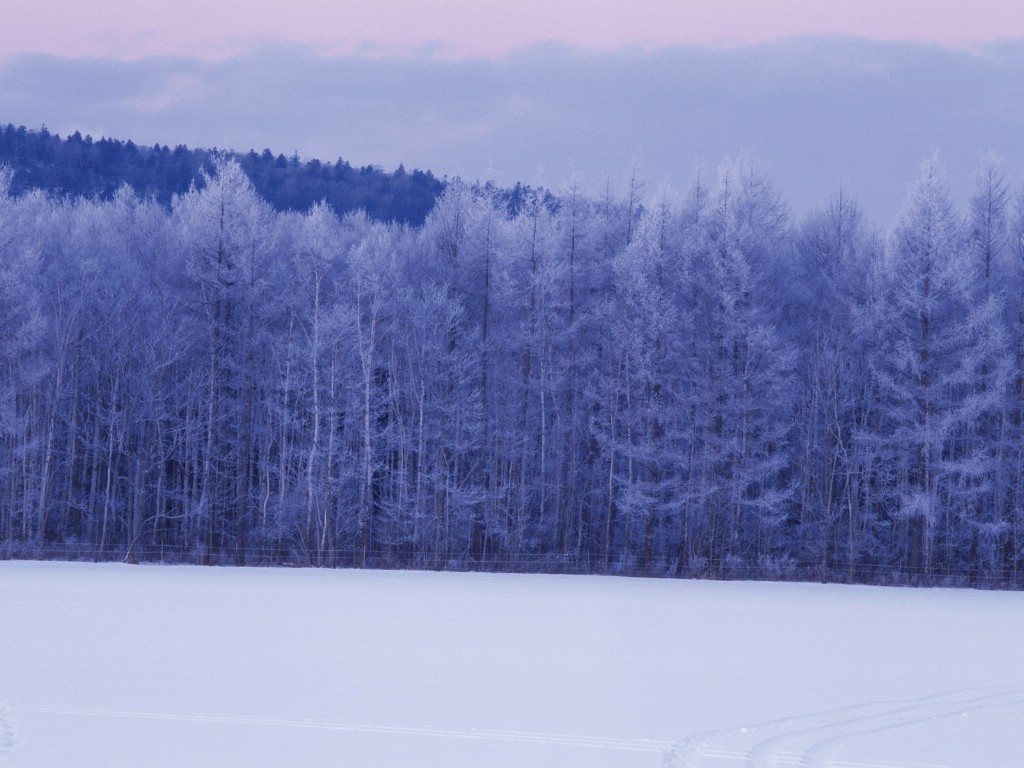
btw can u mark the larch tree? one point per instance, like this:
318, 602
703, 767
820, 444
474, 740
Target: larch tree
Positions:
744, 386
992, 433
935, 346
1015, 532
649, 274
833, 249
23, 363
228, 234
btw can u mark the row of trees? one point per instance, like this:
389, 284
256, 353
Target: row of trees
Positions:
694, 386
79, 166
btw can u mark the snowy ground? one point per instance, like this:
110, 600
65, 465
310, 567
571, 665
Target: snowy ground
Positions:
116, 665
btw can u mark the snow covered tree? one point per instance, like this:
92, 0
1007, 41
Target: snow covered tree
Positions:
742, 392
1015, 455
24, 363
228, 234
645, 341
834, 248
936, 348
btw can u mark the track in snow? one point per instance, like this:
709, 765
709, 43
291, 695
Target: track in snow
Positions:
6, 732
815, 740
527, 737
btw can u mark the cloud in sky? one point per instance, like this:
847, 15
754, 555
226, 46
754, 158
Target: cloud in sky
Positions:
820, 112
826, 92
128, 29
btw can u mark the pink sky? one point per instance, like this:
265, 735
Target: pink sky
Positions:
128, 29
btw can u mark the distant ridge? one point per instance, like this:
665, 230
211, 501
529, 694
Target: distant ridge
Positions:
82, 166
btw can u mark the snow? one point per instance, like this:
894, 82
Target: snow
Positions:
117, 665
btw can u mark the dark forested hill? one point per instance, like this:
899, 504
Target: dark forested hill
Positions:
87, 167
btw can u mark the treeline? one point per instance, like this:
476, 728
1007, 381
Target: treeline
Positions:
81, 167
697, 386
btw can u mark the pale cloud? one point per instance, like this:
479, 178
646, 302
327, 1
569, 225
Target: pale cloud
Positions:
131, 29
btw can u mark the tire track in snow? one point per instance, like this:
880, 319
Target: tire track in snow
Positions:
813, 740
817, 729
822, 752
526, 737
6, 732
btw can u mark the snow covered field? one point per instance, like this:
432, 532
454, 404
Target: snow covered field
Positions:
116, 665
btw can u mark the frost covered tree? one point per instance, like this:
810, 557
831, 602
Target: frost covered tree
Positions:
645, 342
228, 234
24, 364
988, 240
642, 383
742, 386
937, 346
834, 248
988, 232
1015, 454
